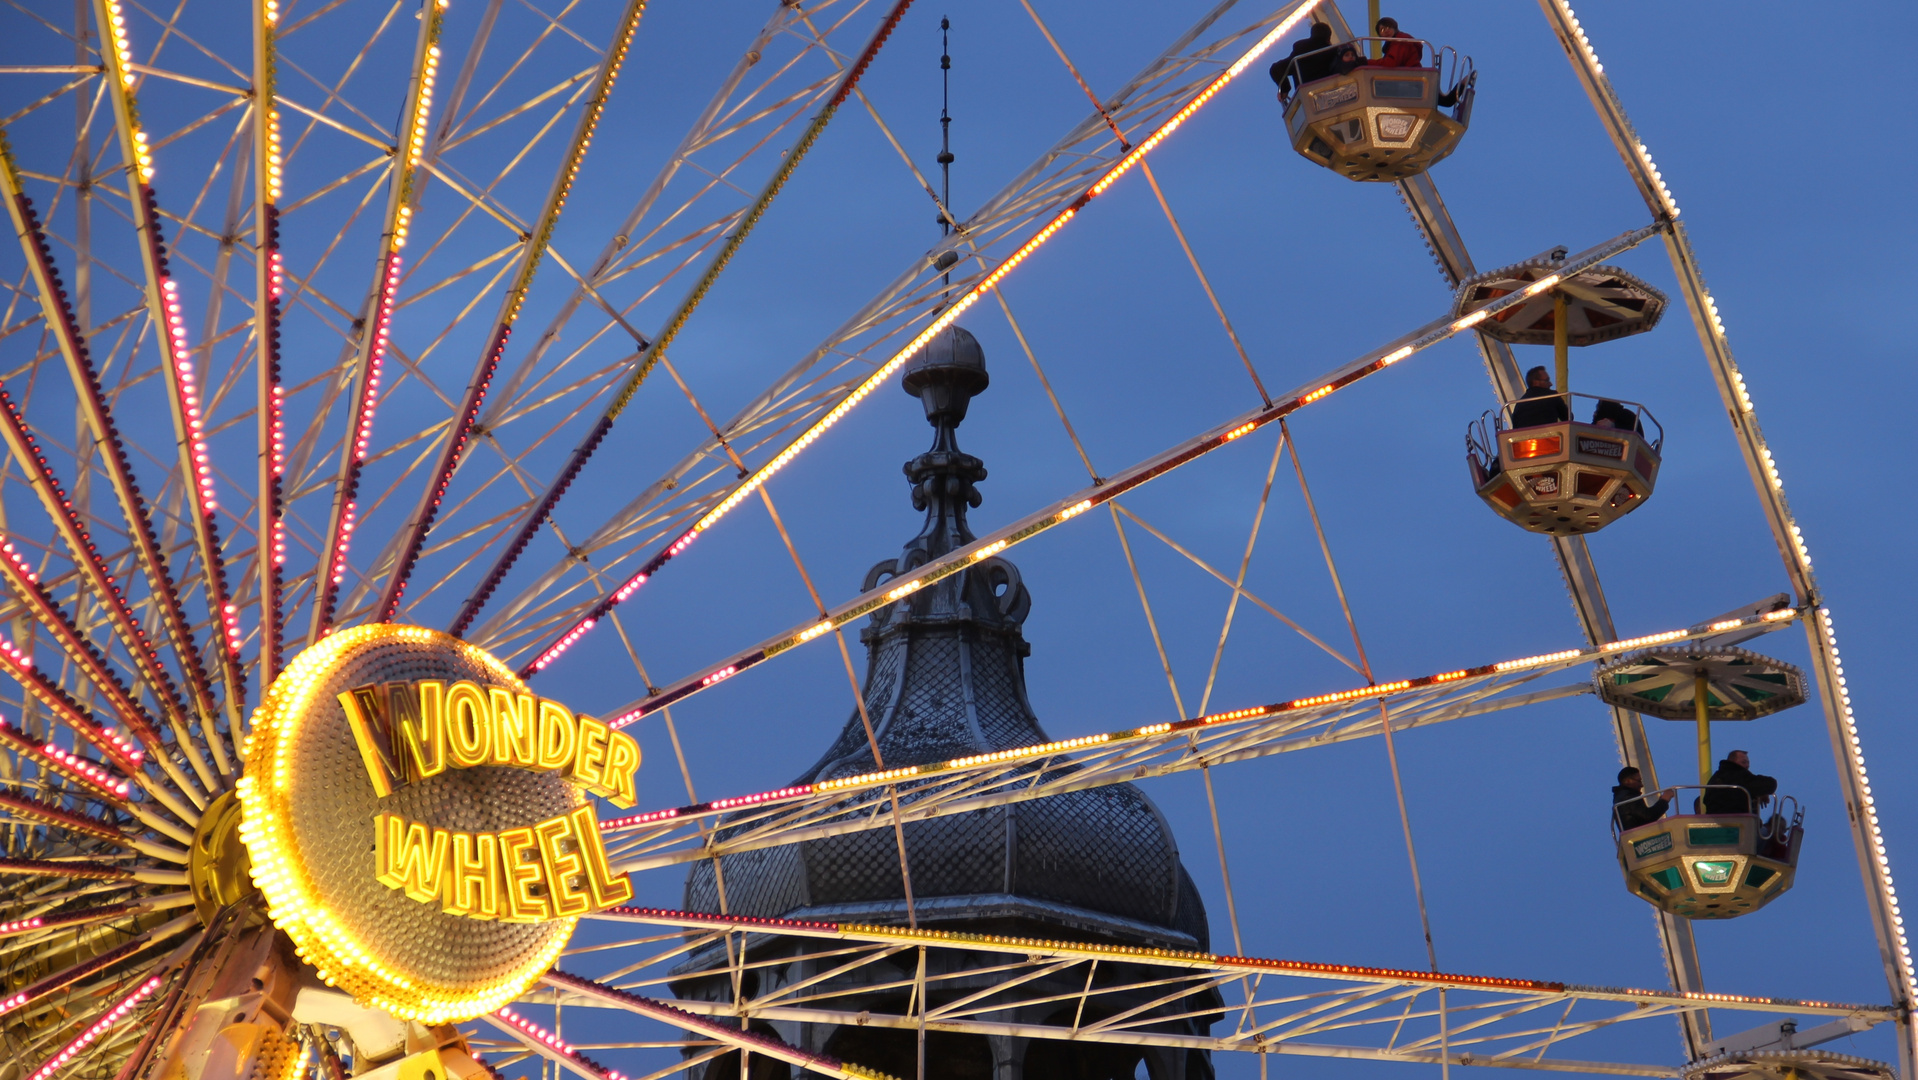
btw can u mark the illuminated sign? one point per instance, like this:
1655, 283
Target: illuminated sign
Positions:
417, 820
412, 731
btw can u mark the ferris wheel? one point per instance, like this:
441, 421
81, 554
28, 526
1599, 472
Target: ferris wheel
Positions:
308, 410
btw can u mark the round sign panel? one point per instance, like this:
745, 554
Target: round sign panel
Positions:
416, 823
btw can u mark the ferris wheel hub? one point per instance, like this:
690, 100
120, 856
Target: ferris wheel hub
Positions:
217, 867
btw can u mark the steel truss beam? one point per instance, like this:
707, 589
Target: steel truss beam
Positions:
1105, 490
186, 397
1580, 573
922, 792
818, 389
1289, 1006
398, 565
1841, 724
653, 350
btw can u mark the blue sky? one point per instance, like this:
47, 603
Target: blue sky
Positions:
1794, 184
1508, 810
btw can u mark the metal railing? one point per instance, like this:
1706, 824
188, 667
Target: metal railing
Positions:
1773, 829
1482, 435
1455, 93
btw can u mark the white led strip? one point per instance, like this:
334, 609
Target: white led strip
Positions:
1790, 538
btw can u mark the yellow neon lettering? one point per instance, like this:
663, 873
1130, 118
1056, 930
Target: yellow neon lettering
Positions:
606, 888
590, 758
515, 727
556, 736
564, 891
382, 851
413, 857
420, 740
469, 725
622, 761
378, 768
472, 877
519, 904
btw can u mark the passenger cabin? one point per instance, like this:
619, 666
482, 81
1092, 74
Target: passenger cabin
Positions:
1567, 477
1380, 123
1533, 461
1712, 866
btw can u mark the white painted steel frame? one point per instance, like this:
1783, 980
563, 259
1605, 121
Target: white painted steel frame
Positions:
1289, 1007
852, 804
1841, 724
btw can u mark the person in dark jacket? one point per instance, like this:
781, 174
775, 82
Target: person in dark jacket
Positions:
1403, 51
1632, 814
1309, 61
1611, 414
1540, 404
1735, 771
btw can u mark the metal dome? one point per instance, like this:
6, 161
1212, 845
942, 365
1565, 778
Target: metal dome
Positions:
946, 374
945, 678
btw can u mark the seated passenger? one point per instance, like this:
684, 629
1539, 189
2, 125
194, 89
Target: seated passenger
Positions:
1638, 811
1348, 60
1539, 405
1611, 414
1735, 772
1405, 52
1309, 61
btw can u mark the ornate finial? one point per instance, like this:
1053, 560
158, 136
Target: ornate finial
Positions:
944, 377
945, 127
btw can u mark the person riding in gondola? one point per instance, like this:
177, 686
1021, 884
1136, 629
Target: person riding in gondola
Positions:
1310, 60
1735, 772
1630, 803
1402, 51
1540, 403
1611, 414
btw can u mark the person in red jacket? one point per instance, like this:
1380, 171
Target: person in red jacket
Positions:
1403, 52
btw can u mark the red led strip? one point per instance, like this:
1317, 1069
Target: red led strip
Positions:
46, 813
531, 254
85, 377
1066, 746
70, 918
20, 667
401, 203
100, 1027
195, 460
71, 766
546, 1040
52, 618
340, 529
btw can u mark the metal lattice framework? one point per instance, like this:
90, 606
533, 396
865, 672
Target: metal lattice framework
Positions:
248, 251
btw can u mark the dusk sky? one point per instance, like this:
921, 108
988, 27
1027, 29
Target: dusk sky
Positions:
1793, 171
1507, 809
